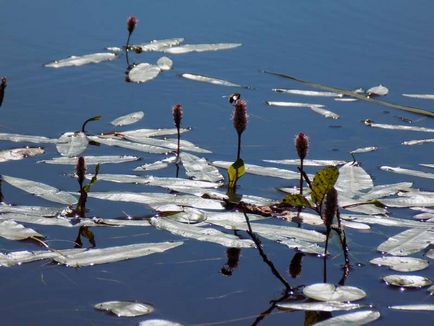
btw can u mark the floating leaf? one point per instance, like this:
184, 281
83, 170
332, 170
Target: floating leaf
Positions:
31, 210
13, 231
325, 113
427, 165
158, 45
157, 165
364, 150
379, 90
323, 181
41, 190
329, 292
411, 198
386, 221
296, 200
302, 246
352, 179
129, 145
209, 80
153, 132
158, 322
413, 173
125, 308
235, 171
128, 119
262, 170
82, 60
421, 96
418, 142
307, 162
201, 47
21, 257
407, 242
26, 138
397, 127
430, 254
199, 169
401, 264
293, 104
319, 306
164, 63
92, 160
72, 143
305, 93
143, 72
431, 290
407, 281
385, 190
414, 307
201, 234
19, 153
351, 319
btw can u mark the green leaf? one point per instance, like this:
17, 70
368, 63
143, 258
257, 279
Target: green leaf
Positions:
323, 181
235, 171
296, 200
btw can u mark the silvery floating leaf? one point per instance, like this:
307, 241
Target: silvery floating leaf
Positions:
13, 231
167, 208
231, 218
305, 93
364, 150
305, 218
158, 165
201, 47
262, 170
129, 145
380, 191
201, 234
117, 222
421, 96
345, 99
427, 165
361, 209
308, 162
319, 306
424, 216
352, 179
293, 104
72, 144
164, 63
355, 225
325, 113
75, 61
114, 49
171, 144
41, 190
128, 119
26, 138
92, 160
430, 254
31, 210
407, 281
303, 246
431, 290
158, 199
418, 142
209, 80
125, 308
143, 72
15, 154
153, 132
398, 127
188, 216
413, 173
20, 257
351, 319
199, 168
410, 199
158, 322
90, 257
401, 264
37, 219
386, 221
329, 292
407, 242
379, 90
158, 45
414, 307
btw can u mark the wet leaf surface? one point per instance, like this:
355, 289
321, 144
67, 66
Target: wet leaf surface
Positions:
329, 292
125, 308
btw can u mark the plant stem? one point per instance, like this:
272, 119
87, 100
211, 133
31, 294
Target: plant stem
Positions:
127, 49
239, 147
301, 175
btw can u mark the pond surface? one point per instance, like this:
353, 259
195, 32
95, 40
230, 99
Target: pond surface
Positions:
338, 43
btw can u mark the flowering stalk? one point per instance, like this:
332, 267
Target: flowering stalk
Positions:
80, 170
302, 146
2, 89
239, 120
177, 117
131, 25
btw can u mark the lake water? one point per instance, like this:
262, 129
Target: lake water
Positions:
347, 44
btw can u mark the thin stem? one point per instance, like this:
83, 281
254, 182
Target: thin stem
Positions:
325, 269
267, 312
239, 147
179, 144
301, 175
127, 49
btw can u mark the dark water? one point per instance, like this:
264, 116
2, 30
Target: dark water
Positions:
340, 43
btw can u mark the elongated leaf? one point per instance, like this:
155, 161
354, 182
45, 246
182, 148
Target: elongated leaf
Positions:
418, 142
355, 95
296, 200
401, 264
381, 191
31, 210
82, 60
158, 45
408, 281
15, 154
414, 307
407, 242
158, 165
125, 308
13, 231
20, 257
201, 47
41, 190
26, 138
386, 221
143, 72
128, 145
427, 165
397, 127
319, 306
199, 169
303, 246
305, 93
351, 319
325, 113
128, 119
158, 322
329, 292
92, 160
153, 132
293, 104
209, 80
308, 162
421, 96
262, 170
235, 171
413, 173
364, 150
72, 143
201, 234
323, 181
38, 219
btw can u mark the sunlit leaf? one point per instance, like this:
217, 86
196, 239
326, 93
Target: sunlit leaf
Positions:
188, 216
262, 170
296, 200
355, 225
329, 292
407, 242
386, 221
414, 307
153, 132
325, 113
381, 191
307, 162
209, 80
72, 143
293, 104
41, 190
201, 234
323, 181
128, 119
352, 179
38, 219
427, 165
235, 171
201, 47
158, 322
230, 219
31, 210
407, 281
303, 246
158, 45
26, 138
19, 153
129, 145
157, 165
82, 60
401, 264
379, 90
125, 308
418, 142
92, 160
305, 93
397, 127
351, 319
319, 306
430, 254
431, 290
199, 168
13, 231
421, 96
413, 173
364, 150
21, 257
143, 72
164, 63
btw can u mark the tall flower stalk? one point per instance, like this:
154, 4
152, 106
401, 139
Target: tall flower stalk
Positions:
177, 117
131, 25
302, 146
239, 120
3, 85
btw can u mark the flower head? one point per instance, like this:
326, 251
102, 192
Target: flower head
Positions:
80, 169
302, 145
331, 207
131, 23
239, 116
177, 115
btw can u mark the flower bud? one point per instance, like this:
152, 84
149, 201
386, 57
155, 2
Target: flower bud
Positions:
177, 115
131, 23
302, 145
239, 116
330, 207
81, 170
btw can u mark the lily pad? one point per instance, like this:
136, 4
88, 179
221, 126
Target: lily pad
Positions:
164, 63
305, 93
82, 60
125, 308
329, 292
72, 143
401, 264
351, 319
143, 72
158, 322
407, 281
27, 138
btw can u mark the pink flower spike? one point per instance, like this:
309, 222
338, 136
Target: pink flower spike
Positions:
177, 115
239, 117
131, 23
302, 145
